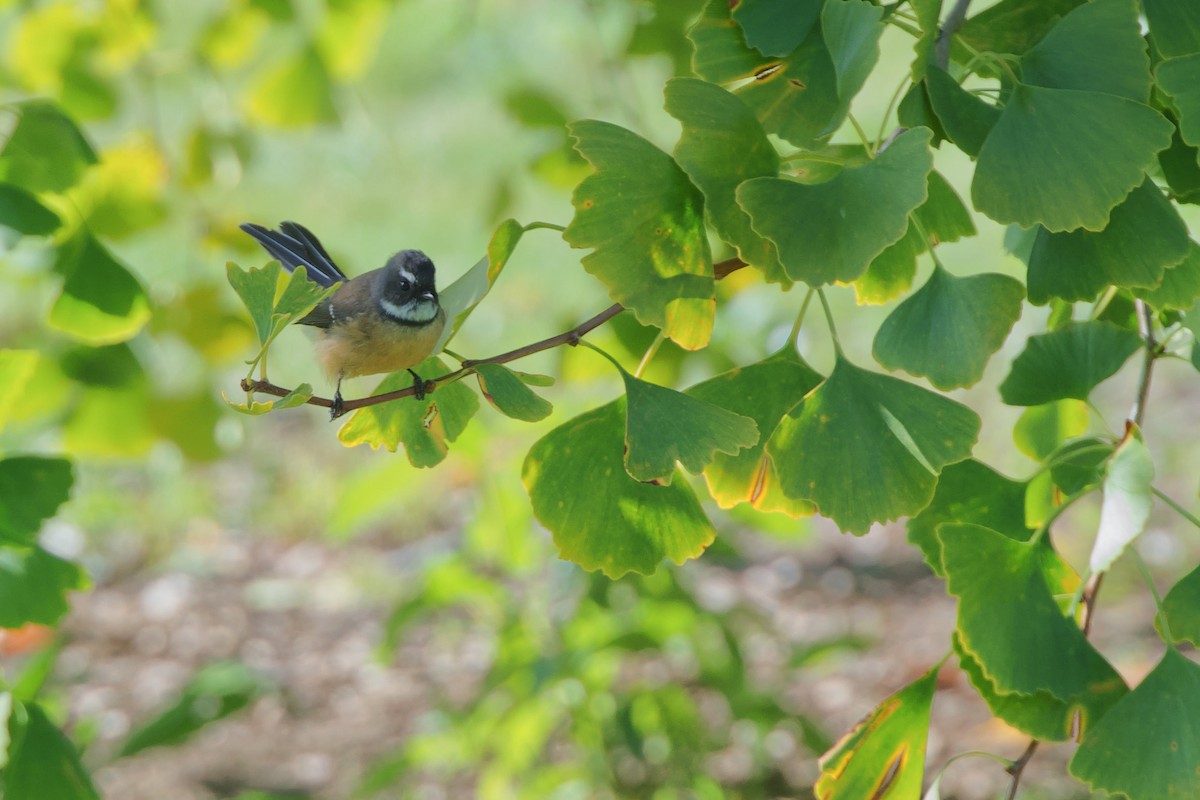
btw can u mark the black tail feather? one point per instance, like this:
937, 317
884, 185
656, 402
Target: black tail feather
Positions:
295, 246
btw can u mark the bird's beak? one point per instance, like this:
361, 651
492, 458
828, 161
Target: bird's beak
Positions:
428, 295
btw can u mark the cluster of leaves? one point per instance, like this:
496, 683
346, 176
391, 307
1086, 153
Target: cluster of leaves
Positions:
1023, 94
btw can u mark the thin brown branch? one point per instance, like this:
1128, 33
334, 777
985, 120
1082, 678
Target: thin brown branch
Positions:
1090, 596
571, 337
1016, 768
1145, 317
954, 22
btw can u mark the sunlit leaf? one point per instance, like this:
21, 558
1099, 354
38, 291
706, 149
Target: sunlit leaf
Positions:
831, 231
1037, 165
775, 27
16, 368
101, 301
21, 211
460, 298
867, 448
1042, 428
1009, 641
111, 422
124, 193
255, 407
424, 427
1145, 235
362, 22
884, 755
34, 584
1182, 607
1148, 744
43, 763
1068, 362
764, 392
46, 152
721, 145
31, 490
644, 219
969, 492
1180, 284
949, 329
1127, 500
509, 395
600, 517
294, 92
215, 691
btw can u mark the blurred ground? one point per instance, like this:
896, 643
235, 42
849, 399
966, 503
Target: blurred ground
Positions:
295, 610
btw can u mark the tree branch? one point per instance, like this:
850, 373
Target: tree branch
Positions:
1145, 318
954, 22
1017, 767
571, 337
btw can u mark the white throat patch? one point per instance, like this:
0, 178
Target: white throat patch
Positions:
423, 311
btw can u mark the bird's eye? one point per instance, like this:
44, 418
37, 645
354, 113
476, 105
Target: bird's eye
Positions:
405, 285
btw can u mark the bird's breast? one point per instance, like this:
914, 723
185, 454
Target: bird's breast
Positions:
368, 344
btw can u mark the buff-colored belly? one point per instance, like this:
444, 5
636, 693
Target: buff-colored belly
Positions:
367, 345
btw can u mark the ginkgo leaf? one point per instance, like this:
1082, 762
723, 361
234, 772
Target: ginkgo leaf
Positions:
831, 231
966, 118
969, 492
795, 97
31, 490
509, 395
424, 427
294, 92
1181, 167
1041, 429
1079, 464
1128, 498
43, 762
664, 426
775, 28
1180, 284
1174, 26
764, 392
600, 517
21, 211
46, 151
867, 448
461, 297
101, 300
1068, 362
1009, 641
1145, 235
1182, 608
715, 125
851, 29
34, 585
645, 221
1180, 79
17, 367
884, 754
1013, 26
949, 329
255, 408
1037, 165
1148, 744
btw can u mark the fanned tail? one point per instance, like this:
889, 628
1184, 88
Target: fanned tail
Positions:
293, 246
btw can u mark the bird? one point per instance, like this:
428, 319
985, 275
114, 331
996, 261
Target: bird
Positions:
384, 320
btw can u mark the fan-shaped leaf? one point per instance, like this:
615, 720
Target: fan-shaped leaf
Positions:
509, 395
34, 585
31, 490
1068, 362
1127, 500
294, 92
16, 369
43, 762
1180, 78
101, 301
775, 27
460, 298
1174, 26
1180, 284
22, 212
45, 152
1041, 429
966, 118
1182, 607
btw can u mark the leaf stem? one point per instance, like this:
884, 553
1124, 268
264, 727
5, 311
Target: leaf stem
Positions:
533, 226
887, 113
1017, 767
649, 354
837, 343
1146, 328
1180, 510
800, 316
1163, 625
862, 135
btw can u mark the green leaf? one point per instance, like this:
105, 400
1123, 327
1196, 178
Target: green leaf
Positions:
1037, 165
928, 12
775, 27
969, 492
721, 145
1182, 607
831, 231
1079, 464
101, 301
46, 152
214, 692
891, 273
1128, 498
509, 395
22, 212
255, 408
42, 762
1010, 640
644, 219
1180, 284
16, 368
600, 517
1042, 428
943, 215
31, 490
1068, 362
34, 584
949, 329
1181, 167
1148, 744
360, 21
1096, 47
884, 754
257, 287
425, 427
852, 29
795, 97
764, 392
1013, 26
664, 426
966, 118
1180, 78
1174, 26
294, 92
1145, 235
867, 447
460, 298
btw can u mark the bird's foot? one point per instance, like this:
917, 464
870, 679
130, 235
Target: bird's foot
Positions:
421, 387
339, 407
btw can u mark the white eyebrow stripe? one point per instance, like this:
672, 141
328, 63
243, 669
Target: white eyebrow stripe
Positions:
408, 276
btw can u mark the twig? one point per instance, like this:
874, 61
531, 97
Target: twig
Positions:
954, 21
1146, 328
571, 337
1089, 601
1017, 767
